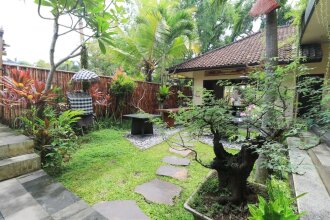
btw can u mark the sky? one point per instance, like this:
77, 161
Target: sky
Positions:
28, 35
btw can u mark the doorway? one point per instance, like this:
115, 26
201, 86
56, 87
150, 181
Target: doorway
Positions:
312, 99
213, 86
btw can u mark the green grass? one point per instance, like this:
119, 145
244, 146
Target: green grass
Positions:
108, 167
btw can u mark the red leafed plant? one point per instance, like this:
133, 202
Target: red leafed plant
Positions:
21, 88
101, 101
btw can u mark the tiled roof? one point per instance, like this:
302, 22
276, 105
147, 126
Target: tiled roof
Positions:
246, 51
263, 7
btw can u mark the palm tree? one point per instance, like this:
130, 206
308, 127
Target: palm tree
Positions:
161, 33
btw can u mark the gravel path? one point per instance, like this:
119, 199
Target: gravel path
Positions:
147, 141
208, 139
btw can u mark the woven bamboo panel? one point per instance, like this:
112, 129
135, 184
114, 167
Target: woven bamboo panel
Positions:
143, 98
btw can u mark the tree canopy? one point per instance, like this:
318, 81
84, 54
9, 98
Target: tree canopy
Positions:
161, 33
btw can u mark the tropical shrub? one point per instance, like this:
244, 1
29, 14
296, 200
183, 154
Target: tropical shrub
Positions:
25, 90
163, 94
101, 101
53, 135
279, 205
122, 86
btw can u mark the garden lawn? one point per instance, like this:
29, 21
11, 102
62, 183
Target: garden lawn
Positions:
108, 167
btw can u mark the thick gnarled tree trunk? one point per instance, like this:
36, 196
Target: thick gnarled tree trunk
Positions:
234, 170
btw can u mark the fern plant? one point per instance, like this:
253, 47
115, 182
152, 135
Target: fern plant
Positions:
53, 135
163, 93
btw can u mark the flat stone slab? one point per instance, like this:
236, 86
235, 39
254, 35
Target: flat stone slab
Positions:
172, 171
120, 210
174, 160
181, 151
159, 191
51, 195
183, 144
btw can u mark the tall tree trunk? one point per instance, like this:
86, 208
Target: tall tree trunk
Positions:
52, 56
271, 62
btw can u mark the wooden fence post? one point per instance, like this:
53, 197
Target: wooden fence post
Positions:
1, 70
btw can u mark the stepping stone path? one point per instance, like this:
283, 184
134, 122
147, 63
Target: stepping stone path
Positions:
162, 192
159, 191
181, 151
120, 210
183, 144
174, 160
172, 171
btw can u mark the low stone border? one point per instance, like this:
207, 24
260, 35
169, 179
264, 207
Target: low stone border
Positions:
147, 141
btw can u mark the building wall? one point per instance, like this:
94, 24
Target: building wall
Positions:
320, 67
199, 77
315, 68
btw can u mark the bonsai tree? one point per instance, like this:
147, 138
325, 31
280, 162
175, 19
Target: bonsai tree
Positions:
215, 117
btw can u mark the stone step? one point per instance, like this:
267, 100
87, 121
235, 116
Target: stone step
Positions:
320, 156
306, 179
4, 128
16, 166
15, 145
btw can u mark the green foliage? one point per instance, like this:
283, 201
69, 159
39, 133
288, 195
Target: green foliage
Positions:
112, 167
277, 160
160, 34
163, 93
59, 95
53, 135
121, 87
279, 206
42, 64
214, 115
220, 22
93, 13
69, 65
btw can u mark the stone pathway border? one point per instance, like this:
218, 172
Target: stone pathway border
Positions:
147, 141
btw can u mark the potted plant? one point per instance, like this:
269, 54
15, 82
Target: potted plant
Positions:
228, 190
162, 95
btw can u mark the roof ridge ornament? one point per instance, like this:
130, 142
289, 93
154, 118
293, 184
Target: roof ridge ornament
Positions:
261, 7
